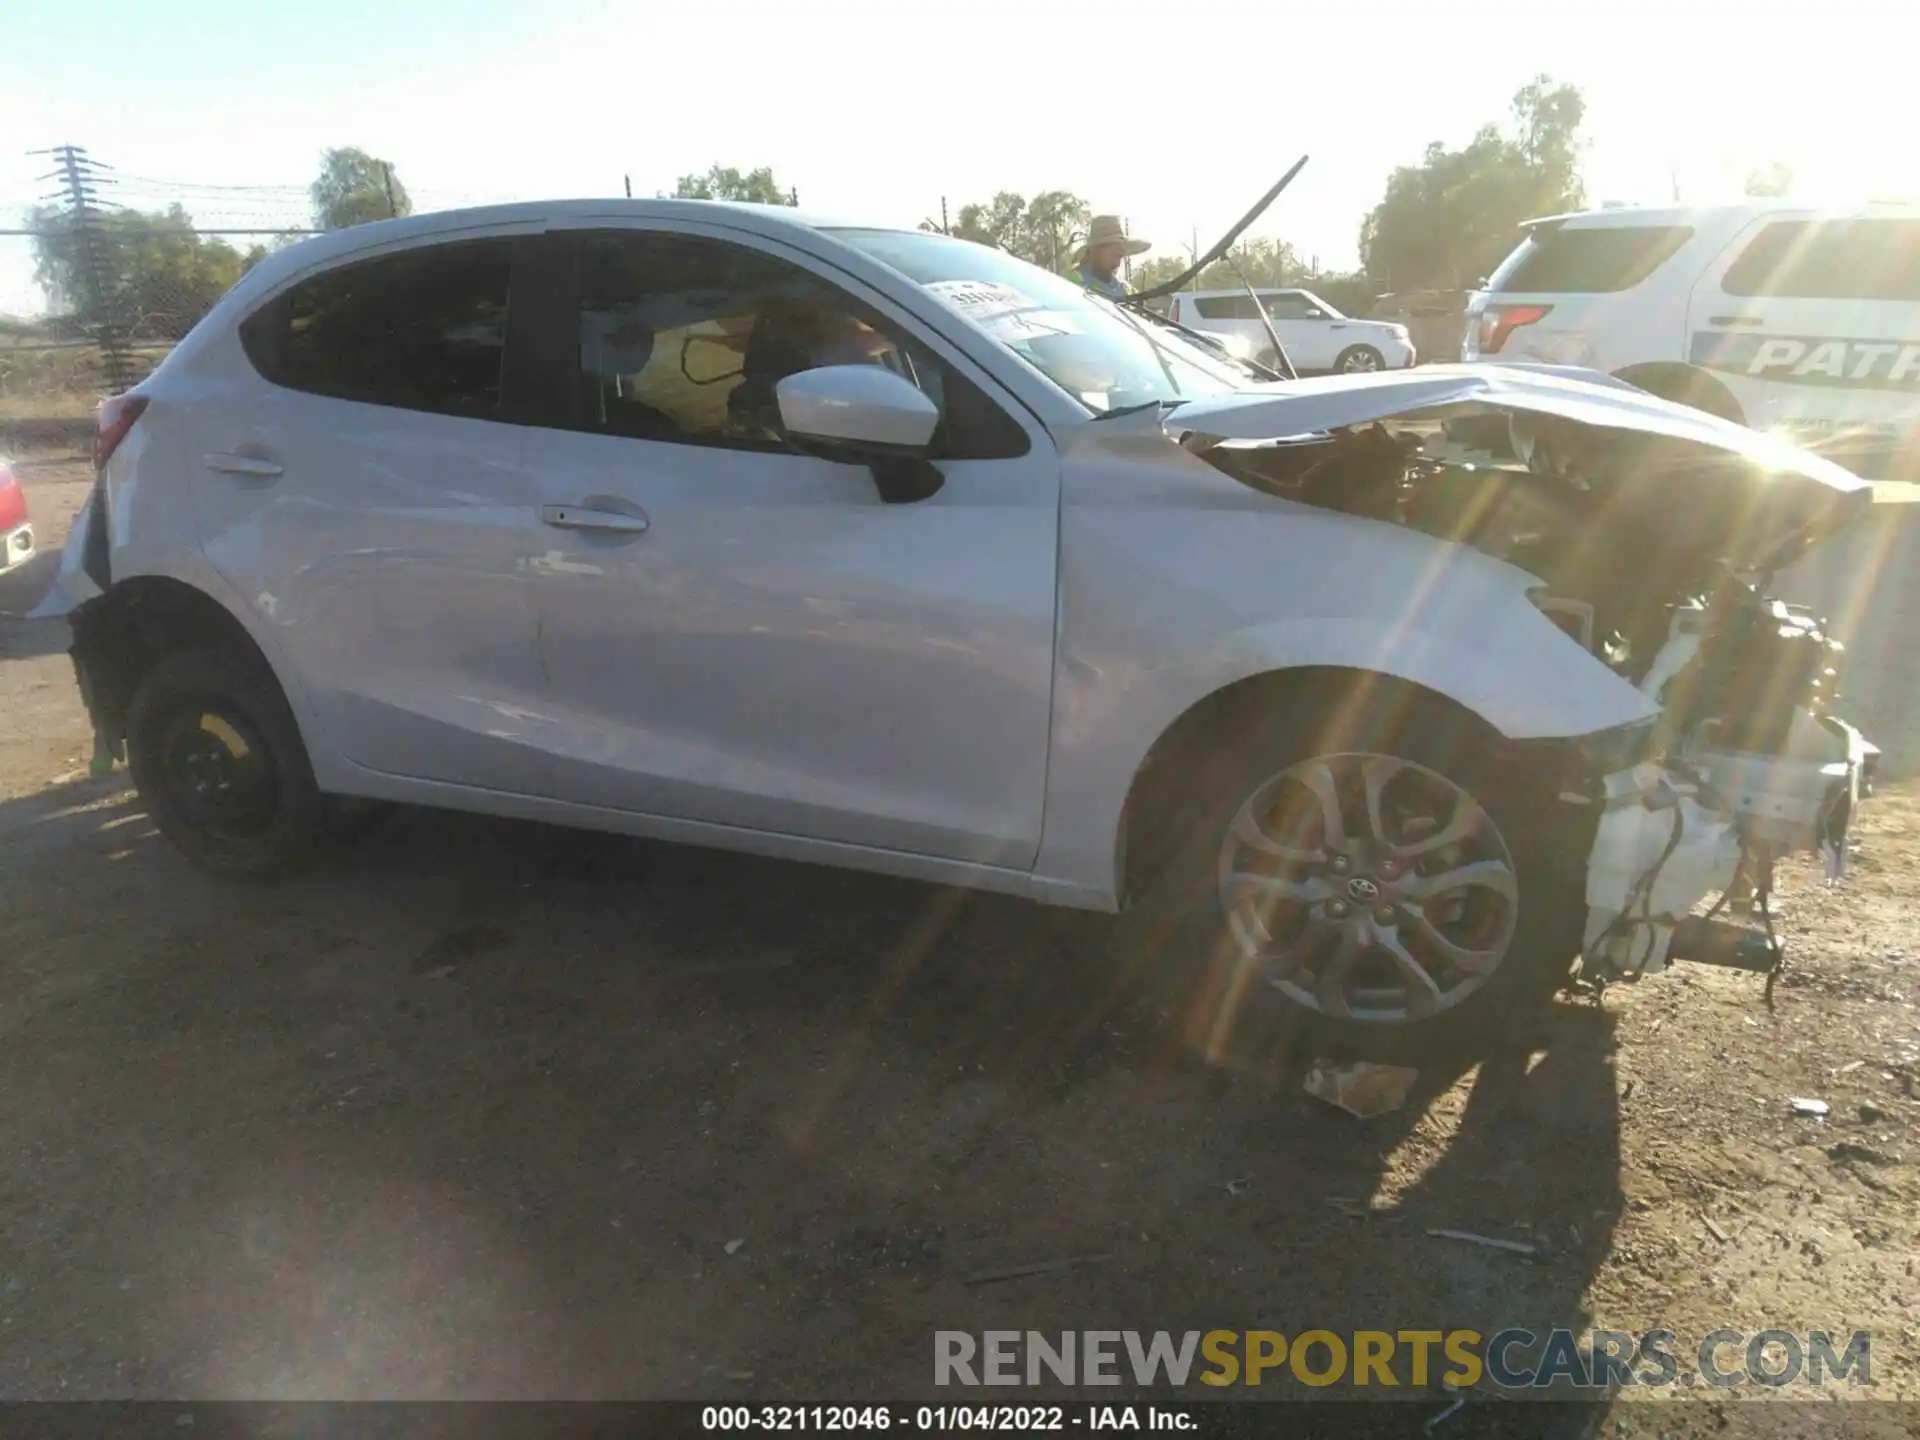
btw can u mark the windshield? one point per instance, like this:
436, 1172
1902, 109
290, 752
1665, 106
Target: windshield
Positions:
1107, 357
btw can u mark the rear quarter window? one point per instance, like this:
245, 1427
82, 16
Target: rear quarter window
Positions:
1866, 259
1596, 260
416, 330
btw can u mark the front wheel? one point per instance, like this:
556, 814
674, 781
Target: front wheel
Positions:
217, 758
1389, 889
1359, 360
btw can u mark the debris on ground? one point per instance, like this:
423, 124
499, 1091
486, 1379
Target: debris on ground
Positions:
1038, 1267
1853, 1150
735, 1246
1239, 1185
1815, 1108
1714, 1230
1441, 1417
1491, 1242
1361, 1089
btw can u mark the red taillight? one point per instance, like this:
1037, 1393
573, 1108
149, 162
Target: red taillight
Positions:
1175, 317
1499, 321
116, 419
13, 502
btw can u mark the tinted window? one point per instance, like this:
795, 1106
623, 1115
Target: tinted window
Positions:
1831, 260
685, 339
1590, 261
1224, 307
420, 330
1281, 305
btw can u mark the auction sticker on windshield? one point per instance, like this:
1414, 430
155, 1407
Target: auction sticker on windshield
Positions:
1009, 315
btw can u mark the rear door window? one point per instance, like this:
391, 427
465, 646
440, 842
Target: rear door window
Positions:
419, 330
1590, 260
1877, 259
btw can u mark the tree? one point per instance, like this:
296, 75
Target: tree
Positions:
1776, 179
1446, 222
723, 182
1045, 230
156, 275
353, 187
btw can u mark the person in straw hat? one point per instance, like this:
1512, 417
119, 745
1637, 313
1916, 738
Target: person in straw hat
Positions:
1097, 265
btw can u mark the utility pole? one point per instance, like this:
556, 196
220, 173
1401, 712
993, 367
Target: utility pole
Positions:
386, 178
629, 180
82, 182
945, 228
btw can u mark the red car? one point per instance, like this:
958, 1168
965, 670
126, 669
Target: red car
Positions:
16, 532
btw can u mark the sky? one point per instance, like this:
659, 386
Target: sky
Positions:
876, 111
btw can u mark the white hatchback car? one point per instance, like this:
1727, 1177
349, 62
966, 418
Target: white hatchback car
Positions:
1317, 337
883, 549
1783, 317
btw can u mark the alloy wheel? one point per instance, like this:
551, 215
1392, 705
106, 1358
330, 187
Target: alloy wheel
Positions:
1367, 887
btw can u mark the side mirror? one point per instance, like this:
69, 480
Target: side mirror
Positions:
866, 413
859, 408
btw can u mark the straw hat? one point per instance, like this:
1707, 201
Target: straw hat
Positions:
1109, 230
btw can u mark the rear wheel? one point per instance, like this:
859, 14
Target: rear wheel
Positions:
1359, 360
1387, 886
220, 766
1691, 388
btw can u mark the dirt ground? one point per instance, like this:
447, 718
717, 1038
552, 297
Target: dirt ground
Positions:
481, 1109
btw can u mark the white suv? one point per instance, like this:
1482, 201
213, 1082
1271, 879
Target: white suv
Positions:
1774, 315
882, 549
1317, 337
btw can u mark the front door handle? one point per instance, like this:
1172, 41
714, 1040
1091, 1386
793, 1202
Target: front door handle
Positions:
1735, 320
257, 466
580, 517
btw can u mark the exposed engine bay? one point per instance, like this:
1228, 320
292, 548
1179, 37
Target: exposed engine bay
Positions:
1655, 555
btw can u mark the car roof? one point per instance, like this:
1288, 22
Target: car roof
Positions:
322, 249
1741, 210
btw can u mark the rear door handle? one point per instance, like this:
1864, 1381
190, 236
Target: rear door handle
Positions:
580, 517
1735, 320
254, 465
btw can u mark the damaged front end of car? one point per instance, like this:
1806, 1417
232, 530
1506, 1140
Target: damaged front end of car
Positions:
1655, 533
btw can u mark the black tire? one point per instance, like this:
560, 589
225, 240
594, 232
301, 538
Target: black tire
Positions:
1178, 918
1359, 360
220, 766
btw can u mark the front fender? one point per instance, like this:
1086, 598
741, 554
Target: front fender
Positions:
1472, 637
1521, 674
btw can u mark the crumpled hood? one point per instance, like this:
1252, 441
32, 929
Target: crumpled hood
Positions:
1771, 496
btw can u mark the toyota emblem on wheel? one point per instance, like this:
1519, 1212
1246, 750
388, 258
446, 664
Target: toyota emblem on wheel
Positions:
1362, 890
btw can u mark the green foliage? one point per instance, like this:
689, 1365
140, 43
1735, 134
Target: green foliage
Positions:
1446, 222
353, 187
723, 182
1045, 230
157, 276
1776, 179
